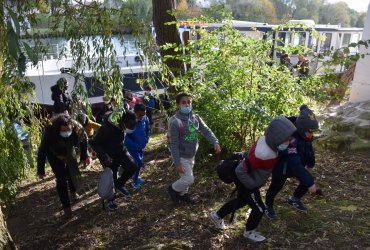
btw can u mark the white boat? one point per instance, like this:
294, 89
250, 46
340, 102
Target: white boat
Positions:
47, 72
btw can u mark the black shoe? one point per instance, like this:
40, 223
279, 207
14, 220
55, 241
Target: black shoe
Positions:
270, 212
297, 204
186, 198
175, 197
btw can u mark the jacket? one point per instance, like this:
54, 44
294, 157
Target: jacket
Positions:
261, 160
183, 138
62, 100
138, 140
292, 161
108, 141
62, 148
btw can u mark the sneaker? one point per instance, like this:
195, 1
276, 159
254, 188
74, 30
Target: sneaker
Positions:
297, 204
112, 205
270, 212
175, 197
253, 236
140, 181
136, 185
124, 191
219, 223
186, 198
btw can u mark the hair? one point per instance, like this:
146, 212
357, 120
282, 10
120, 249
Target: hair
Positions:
61, 81
57, 122
180, 95
148, 87
139, 107
128, 116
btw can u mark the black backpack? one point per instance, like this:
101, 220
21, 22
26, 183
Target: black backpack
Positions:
226, 168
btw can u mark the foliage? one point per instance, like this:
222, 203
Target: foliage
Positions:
88, 28
233, 80
15, 103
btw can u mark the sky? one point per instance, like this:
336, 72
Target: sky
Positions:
358, 5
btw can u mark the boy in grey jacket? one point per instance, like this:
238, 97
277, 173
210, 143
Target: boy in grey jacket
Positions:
183, 143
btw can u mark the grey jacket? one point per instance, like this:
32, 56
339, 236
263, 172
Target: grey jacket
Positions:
255, 179
183, 135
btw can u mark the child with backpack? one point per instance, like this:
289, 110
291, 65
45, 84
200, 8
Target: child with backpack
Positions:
108, 144
252, 173
295, 162
137, 141
183, 144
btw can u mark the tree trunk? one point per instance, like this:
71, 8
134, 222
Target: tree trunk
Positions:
6, 241
167, 33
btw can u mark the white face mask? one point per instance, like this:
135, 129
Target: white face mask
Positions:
65, 134
129, 131
282, 147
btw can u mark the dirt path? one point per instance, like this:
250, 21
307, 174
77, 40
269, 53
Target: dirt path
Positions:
339, 220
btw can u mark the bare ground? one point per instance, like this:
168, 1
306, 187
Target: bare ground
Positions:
338, 220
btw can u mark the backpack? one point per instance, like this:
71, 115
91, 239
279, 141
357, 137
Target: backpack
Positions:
106, 184
226, 168
179, 122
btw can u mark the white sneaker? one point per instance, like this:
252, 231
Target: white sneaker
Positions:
253, 236
219, 223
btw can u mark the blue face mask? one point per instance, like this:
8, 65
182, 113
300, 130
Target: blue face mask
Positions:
185, 110
65, 134
282, 147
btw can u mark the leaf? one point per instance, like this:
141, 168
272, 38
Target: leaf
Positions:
30, 53
15, 20
13, 44
352, 45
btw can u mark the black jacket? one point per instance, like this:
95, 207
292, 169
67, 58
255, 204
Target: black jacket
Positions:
108, 141
63, 148
62, 100
293, 160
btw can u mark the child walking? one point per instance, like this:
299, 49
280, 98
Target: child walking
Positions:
295, 162
137, 141
183, 144
252, 173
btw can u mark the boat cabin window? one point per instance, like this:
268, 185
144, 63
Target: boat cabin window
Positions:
346, 40
326, 44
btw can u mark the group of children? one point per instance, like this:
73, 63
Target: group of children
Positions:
285, 150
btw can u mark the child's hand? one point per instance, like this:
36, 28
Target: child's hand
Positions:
217, 148
312, 189
180, 169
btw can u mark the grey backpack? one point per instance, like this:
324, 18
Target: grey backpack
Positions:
106, 184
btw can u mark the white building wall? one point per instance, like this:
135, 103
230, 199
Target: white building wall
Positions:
361, 82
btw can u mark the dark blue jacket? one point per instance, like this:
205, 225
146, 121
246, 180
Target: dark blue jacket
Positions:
293, 160
140, 137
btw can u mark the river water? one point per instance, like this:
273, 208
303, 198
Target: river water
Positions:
54, 46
